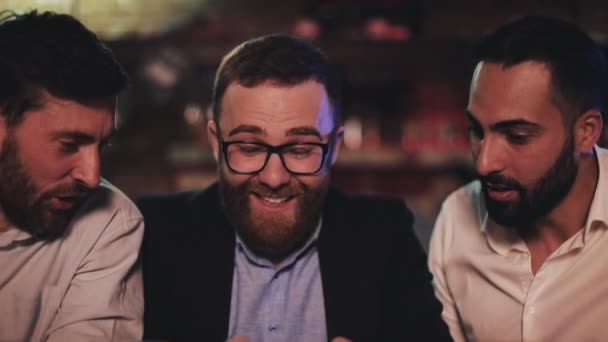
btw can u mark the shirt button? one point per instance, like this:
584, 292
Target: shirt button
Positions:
273, 328
531, 310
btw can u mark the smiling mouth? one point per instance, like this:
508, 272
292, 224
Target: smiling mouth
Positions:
273, 200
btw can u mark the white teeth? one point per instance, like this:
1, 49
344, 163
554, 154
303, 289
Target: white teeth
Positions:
274, 200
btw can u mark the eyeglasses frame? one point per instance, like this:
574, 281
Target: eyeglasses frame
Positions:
272, 149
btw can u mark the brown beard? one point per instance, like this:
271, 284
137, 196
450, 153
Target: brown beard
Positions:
533, 204
23, 205
273, 237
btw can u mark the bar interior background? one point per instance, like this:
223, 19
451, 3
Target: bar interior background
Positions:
405, 67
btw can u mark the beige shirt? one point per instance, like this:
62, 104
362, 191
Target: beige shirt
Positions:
85, 286
483, 276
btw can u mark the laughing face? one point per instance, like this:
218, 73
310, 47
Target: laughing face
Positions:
273, 210
49, 163
524, 155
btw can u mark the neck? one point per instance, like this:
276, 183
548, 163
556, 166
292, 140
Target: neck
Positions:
569, 216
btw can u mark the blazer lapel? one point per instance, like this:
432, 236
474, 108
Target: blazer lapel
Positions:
348, 272
208, 265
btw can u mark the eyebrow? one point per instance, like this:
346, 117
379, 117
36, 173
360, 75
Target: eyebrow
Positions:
295, 131
506, 124
246, 129
81, 137
471, 117
303, 130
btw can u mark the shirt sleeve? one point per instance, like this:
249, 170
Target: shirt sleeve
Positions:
104, 301
437, 253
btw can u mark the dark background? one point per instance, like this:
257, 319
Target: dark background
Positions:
405, 67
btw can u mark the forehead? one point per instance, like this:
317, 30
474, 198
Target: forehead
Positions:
56, 114
521, 91
277, 108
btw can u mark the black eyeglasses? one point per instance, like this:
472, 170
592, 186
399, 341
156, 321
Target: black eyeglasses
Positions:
299, 158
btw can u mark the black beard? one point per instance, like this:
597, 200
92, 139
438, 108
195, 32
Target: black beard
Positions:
531, 206
273, 237
22, 204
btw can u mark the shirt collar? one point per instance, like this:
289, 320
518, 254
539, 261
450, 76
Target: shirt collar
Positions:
598, 214
291, 259
13, 235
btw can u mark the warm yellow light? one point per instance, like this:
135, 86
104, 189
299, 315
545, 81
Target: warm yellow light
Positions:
112, 19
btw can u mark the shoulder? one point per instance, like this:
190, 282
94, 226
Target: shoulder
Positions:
180, 216
168, 204
463, 203
366, 205
107, 202
107, 212
459, 223
367, 216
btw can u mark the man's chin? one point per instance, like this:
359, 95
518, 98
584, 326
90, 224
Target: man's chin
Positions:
504, 213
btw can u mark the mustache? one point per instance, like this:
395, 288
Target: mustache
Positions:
500, 180
285, 191
288, 189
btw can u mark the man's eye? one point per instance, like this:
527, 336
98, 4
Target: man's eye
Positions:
299, 151
475, 132
68, 146
303, 151
518, 139
251, 149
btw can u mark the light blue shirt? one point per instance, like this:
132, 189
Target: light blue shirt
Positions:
278, 304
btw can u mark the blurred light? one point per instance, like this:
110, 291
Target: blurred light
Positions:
162, 73
380, 28
193, 114
112, 19
377, 28
307, 28
353, 133
165, 68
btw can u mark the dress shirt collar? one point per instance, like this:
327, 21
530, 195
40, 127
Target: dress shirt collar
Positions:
13, 235
598, 216
291, 259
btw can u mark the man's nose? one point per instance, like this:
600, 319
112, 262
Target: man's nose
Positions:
488, 158
274, 174
87, 170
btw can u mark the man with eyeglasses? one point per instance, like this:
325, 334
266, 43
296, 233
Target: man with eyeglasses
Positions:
272, 251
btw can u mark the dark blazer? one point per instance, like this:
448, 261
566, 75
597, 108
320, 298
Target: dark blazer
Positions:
376, 285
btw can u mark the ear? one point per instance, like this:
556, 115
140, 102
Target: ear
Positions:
339, 135
587, 130
3, 128
212, 132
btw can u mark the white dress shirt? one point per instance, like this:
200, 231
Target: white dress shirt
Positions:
483, 276
85, 286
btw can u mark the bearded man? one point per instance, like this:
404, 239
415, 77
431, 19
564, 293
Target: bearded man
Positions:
272, 251
518, 255
69, 240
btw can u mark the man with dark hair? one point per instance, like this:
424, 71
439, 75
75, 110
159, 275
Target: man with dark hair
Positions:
272, 251
69, 241
519, 253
